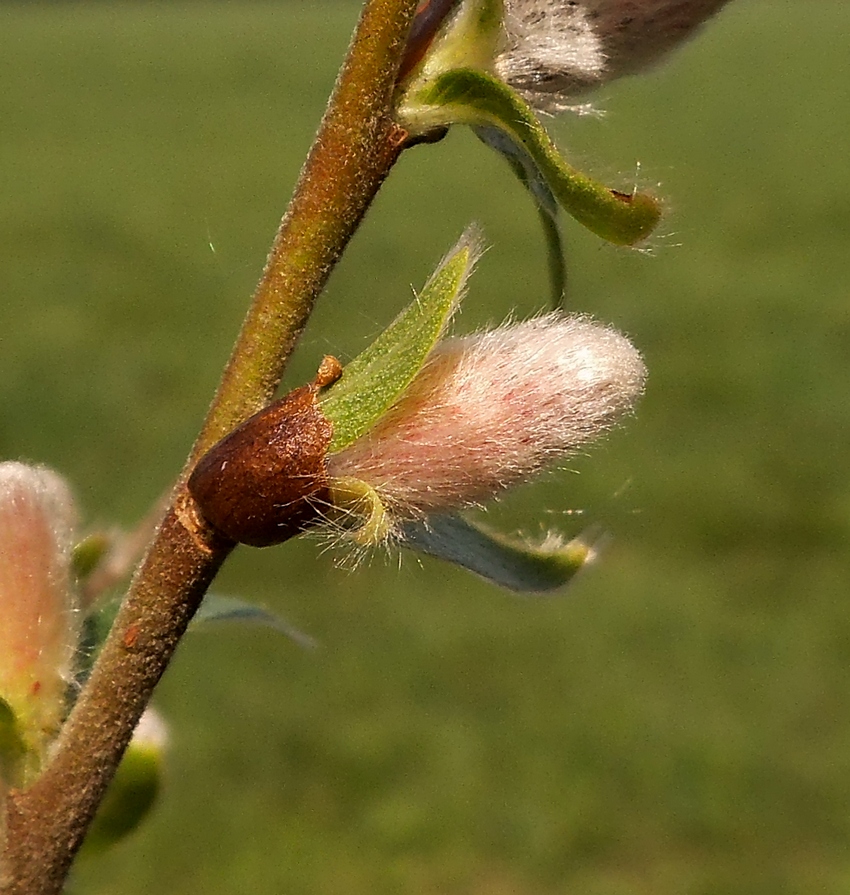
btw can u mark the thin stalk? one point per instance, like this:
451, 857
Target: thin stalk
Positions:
355, 148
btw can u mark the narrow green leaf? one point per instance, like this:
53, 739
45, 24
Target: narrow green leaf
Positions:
220, 608
506, 562
357, 507
529, 175
465, 96
375, 379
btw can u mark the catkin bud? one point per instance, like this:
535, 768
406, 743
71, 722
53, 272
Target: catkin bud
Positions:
556, 50
39, 624
490, 410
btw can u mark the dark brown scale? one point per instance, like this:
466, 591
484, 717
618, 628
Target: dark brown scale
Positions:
266, 481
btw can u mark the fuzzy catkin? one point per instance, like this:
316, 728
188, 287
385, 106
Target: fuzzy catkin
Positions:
555, 51
552, 52
490, 410
39, 626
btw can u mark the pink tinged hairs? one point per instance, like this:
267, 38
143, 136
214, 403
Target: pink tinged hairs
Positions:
490, 410
39, 621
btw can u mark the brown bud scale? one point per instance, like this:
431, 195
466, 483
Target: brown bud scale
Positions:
266, 481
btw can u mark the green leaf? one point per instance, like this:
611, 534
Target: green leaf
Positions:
88, 554
465, 96
529, 175
357, 507
509, 563
375, 379
16, 759
220, 608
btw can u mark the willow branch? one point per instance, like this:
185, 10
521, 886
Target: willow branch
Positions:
354, 150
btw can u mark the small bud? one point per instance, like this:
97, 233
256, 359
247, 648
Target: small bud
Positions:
556, 50
488, 411
266, 481
39, 624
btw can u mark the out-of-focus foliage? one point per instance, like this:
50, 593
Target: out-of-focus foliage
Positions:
679, 723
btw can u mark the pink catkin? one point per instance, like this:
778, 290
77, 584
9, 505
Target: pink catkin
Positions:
38, 621
490, 410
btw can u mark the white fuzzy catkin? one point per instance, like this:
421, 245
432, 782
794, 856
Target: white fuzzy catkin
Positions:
490, 410
39, 624
554, 51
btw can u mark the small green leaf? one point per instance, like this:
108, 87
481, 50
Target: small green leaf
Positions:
16, 759
529, 175
87, 555
219, 608
506, 562
375, 379
466, 96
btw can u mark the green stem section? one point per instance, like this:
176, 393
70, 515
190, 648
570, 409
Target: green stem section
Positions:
356, 146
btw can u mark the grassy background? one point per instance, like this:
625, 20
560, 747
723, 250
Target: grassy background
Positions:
680, 723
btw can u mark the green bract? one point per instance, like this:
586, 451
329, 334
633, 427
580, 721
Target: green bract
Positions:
17, 760
375, 379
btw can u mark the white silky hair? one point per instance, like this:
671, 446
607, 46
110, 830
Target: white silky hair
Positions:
490, 410
555, 51
38, 605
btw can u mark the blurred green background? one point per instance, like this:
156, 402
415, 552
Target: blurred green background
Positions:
679, 722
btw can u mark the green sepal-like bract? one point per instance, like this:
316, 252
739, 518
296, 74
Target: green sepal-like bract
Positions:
468, 36
17, 760
507, 562
375, 379
89, 553
475, 98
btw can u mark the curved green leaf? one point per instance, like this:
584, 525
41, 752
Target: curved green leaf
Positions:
509, 563
466, 96
529, 175
220, 608
357, 507
375, 379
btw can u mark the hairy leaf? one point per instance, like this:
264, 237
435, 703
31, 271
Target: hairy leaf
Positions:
509, 563
375, 379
